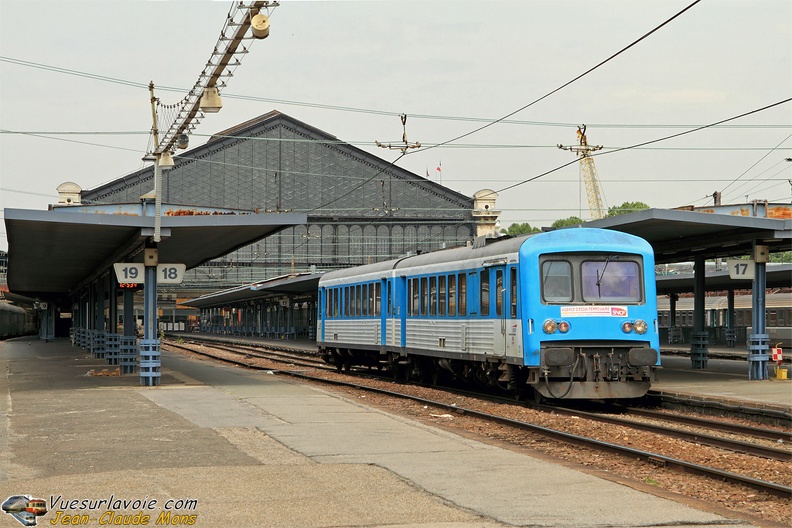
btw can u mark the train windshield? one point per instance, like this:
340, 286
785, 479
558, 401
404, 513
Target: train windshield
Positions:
610, 280
557, 281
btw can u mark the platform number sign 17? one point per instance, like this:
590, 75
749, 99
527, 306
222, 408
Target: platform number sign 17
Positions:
741, 269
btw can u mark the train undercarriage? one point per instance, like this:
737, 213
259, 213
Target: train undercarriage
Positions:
569, 372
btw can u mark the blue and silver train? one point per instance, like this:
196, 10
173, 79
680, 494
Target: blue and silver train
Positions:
570, 313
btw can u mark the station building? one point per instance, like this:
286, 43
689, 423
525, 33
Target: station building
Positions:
361, 208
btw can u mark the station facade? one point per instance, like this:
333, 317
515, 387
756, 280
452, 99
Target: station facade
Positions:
360, 208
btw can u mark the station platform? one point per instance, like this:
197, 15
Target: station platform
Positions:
216, 445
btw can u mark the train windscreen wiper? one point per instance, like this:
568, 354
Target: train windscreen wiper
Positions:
601, 275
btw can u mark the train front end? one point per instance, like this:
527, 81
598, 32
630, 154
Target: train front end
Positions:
590, 321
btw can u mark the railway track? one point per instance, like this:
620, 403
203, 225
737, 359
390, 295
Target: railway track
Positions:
245, 356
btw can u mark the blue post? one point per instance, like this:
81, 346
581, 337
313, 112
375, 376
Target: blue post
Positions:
150, 362
700, 338
758, 341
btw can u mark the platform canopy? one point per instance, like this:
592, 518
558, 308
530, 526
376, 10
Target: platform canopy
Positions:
679, 236
297, 284
54, 252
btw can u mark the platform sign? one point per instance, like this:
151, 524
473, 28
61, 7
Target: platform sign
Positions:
170, 273
129, 273
741, 269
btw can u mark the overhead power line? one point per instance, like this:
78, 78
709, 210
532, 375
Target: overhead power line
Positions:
548, 94
342, 108
665, 138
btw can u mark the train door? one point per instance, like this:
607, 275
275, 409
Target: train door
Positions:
501, 300
383, 300
400, 311
322, 309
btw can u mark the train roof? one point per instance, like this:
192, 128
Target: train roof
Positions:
484, 248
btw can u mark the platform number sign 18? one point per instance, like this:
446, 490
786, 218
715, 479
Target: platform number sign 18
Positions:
170, 273
741, 269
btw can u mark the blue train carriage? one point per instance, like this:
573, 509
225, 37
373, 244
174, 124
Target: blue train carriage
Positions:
564, 314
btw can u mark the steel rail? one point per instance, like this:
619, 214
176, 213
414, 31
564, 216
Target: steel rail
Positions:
758, 432
729, 444
652, 458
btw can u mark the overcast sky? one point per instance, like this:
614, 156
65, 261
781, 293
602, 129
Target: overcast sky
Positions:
350, 68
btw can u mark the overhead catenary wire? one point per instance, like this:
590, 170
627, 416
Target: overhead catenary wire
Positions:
754, 165
575, 79
665, 138
372, 111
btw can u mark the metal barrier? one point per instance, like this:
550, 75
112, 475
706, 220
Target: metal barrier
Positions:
80, 337
112, 348
98, 344
675, 335
758, 356
731, 337
127, 354
698, 349
150, 362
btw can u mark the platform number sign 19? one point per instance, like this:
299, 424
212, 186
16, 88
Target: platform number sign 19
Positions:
741, 269
129, 273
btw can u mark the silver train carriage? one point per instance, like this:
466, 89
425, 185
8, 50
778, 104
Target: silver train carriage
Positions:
16, 321
569, 313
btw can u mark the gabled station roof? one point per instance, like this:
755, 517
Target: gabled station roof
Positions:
679, 236
54, 252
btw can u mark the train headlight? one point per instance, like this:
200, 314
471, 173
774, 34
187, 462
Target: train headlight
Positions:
563, 327
549, 326
627, 327
640, 326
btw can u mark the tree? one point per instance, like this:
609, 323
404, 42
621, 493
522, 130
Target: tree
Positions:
520, 229
566, 222
626, 207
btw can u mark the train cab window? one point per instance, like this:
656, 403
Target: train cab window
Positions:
611, 280
557, 281
441, 295
513, 293
462, 304
499, 291
452, 295
484, 292
424, 296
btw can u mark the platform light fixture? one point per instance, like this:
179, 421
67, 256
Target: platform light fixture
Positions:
210, 100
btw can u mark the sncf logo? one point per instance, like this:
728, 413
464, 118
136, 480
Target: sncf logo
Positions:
618, 312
